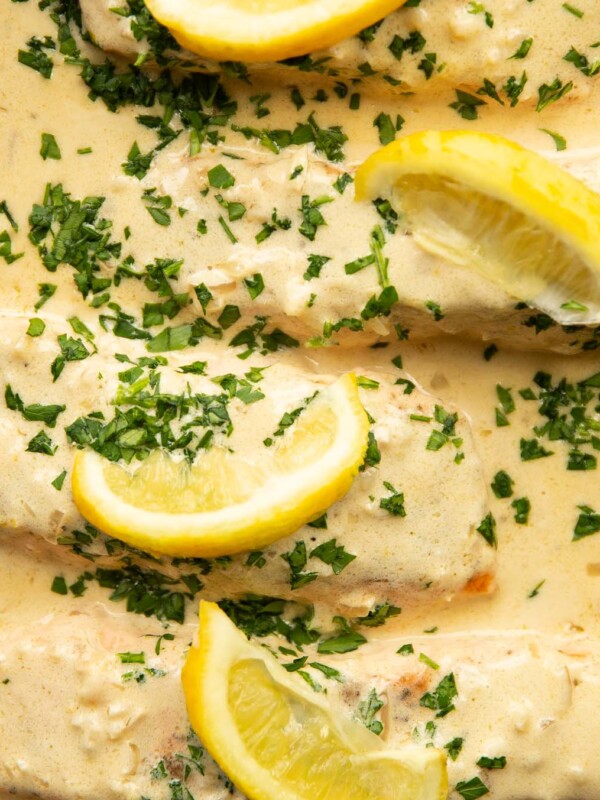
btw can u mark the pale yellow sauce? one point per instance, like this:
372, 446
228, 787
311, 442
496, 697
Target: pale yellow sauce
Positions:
527, 667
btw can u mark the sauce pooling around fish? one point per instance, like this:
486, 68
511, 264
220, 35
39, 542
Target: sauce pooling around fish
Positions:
170, 233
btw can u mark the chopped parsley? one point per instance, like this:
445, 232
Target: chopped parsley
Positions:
33, 413
43, 444
158, 206
385, 126
441, 698
487, 528
378, 615
315, 265
255, 559
561, 144
577, 12
341, 182
522, 507
46, 291
255, 285
506, 399
297, 559
49, 147
435, 309
35, 57
424, 659
333, 555
466, 104
59, 585
329, 672
373, 454
472, 789
447, 433
514, 88
36, 327
523, 49
454, 747
552, 92
132, 658
533, 593
394, 504
502, 484
345, 641
219, 177
59, 480
587, 523
6, 249
478, 8
261, 616
312, 218
413, 43
368, 710
70, 350
498, 762
137, 163
582, 63
531, 449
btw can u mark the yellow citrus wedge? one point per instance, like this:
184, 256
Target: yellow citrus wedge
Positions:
265, 30
224, 504
279, 740
486, 203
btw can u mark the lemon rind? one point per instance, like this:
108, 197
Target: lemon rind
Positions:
266, 36
205, 688
496, 166
272, 512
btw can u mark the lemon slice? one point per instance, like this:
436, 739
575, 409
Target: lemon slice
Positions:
484, 202
279, 740
224, 504
265, 30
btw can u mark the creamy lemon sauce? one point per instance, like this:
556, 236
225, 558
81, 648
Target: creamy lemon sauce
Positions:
494, 562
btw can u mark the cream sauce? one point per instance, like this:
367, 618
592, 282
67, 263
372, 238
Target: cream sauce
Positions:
518, 629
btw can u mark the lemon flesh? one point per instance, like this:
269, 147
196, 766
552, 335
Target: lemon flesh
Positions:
485, 203
223, 504
279, 740
265, 30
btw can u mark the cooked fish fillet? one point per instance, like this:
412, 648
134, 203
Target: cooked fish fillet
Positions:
522, 696
319, 291
433, 296
425, 49
432, 552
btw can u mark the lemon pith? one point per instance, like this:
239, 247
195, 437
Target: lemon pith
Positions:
484, 202
264, 30
278, 740
224, 505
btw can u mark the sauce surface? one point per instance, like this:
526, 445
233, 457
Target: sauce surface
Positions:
243, 217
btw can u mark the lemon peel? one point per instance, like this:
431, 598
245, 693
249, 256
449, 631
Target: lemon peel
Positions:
484, 202
265, 30
223, 504
279, 740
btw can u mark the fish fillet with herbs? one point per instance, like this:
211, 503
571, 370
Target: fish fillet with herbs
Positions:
162, 212
349, 556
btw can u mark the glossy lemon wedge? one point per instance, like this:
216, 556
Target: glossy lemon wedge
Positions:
265, 30
279, 740
486, 203
223, 504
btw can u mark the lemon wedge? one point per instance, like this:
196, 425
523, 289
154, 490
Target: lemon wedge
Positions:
223, 504
486, 203
278, 740
265, 30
